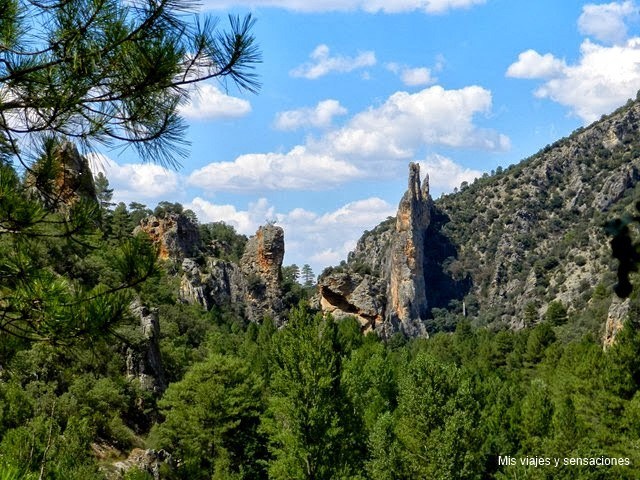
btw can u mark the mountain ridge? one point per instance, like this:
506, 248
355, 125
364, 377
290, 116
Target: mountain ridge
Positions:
526, 236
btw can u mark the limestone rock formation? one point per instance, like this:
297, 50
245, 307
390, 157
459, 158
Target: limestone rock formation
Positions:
148, 461
383, 282
253, 286
143, 360
62, 179
176, 235
406, 296
261, 265
218, 283
617, 315
356, 295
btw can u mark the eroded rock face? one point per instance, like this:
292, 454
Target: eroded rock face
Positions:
143, 360
354, 295
72, 178
618, 313
253, 287
406, 297
148, 461
261, 265
176, 235
383, 282
614, 188
218, 283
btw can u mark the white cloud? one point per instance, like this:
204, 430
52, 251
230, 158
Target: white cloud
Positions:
317, 239
445, 174
326, 239
135, 181
406, 122
369, 6
603, 79
366, 146
531, 64
320, 116
322, 63
356, 214
417, 76
244, 221
209, 102
607, 22
412, 77
298, 169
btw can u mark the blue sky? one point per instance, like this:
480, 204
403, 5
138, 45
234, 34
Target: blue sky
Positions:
354, 90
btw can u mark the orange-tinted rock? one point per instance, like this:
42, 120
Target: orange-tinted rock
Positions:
261, 265
176, 235
406, 292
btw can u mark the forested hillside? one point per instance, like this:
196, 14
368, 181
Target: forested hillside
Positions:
513, 247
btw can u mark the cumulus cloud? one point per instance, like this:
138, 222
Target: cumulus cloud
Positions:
603, 78
445, 174
322, 63
244, 221
531, 64
326, 239
605, 75
298, 169
135, 181
366, 146
320, 116
412, 77
369, 6
209, 102
607, 22
406, 122
319, 239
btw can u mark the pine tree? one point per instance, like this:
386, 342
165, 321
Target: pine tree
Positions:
308, 277
104, 194
111, 71
91, 72
304, 419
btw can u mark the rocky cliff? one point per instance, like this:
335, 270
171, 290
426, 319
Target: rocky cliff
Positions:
261, 266
406, 291
176, 235
143, 360
252, 286
383, 282
517, 239
62, 177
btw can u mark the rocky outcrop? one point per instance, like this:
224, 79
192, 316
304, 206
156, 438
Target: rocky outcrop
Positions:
217, 283
149, 461
617, 315
354, 295
253, 287
176, 235
616, 185
63, 178
143, 359
406, 296
261, 266
383, 282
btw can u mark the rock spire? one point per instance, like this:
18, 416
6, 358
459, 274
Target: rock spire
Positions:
406, 292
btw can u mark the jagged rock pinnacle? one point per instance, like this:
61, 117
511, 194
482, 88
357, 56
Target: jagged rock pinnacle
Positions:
406, 292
